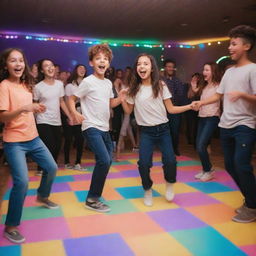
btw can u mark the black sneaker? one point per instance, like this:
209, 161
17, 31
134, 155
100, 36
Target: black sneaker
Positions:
97, 206
47, 203
14, 236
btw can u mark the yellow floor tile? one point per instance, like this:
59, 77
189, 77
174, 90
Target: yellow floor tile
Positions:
156, 244
159, 203
44, 248
232, 198
238, 233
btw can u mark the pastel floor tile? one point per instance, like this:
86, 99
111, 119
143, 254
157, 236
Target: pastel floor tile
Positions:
250, 250
186, 176
121, 206
206, 241
193, 199
12, 250
134, 192
97, 246
209, 187
81, 195
239, 234
44, 248
60, 187
131, 173
34, 184
75, 209
66, 178
229, 183
176, 219
106, 224
233, 199
128, 166
121, 163
178, 188
156, 244
188, 163
197, 168
81, 177
212, 213
80, 185
124, 182
109, 193
115, 175
159, 203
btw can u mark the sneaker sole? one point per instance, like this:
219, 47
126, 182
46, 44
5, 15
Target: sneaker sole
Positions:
96, 210
12, 240
47, 206
243, 221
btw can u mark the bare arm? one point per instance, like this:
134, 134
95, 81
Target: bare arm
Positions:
197, 104
127, 107
235, 95
175, 109
6, 116
116, 101
78, 118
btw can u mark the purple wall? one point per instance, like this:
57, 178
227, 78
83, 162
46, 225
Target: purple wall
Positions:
67, 55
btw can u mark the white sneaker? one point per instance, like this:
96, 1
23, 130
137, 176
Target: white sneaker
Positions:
169, 194
148, 197
199, 175
78, 167
68, 166
207, 176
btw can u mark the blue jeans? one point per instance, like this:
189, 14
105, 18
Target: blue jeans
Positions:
16, 153
101, 145
150, 137
206, 128
174, 123
238, 144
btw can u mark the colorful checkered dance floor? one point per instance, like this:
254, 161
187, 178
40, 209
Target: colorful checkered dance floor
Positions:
197, 222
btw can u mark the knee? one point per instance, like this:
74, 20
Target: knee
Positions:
104, 162
21, 184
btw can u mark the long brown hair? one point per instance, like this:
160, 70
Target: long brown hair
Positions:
216, 73
135, 79
26, 77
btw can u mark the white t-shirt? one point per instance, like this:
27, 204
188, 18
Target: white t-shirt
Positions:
49, 95
150, 111
95, 95
240, 112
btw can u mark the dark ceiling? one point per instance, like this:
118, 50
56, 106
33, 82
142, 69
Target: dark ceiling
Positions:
162, 20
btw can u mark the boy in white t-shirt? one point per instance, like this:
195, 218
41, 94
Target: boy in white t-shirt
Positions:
96, 98
238, 120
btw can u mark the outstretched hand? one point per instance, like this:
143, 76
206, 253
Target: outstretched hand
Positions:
35, 108
195, 105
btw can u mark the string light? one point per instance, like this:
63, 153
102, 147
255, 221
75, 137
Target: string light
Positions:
63, 39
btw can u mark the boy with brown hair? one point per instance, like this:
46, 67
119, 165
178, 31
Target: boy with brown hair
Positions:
96, 98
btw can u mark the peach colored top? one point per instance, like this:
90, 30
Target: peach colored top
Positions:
210, 109
12, 97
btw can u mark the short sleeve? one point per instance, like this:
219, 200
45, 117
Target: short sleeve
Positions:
62, 91
82, 90
69, 90
4, 97
166, 93
221, 87
253, 81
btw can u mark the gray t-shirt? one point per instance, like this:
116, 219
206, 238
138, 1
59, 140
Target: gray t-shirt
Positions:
240, 112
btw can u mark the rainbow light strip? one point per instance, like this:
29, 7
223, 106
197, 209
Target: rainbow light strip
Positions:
111, 42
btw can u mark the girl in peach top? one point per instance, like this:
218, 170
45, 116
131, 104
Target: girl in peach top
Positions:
208, 120
21, 138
